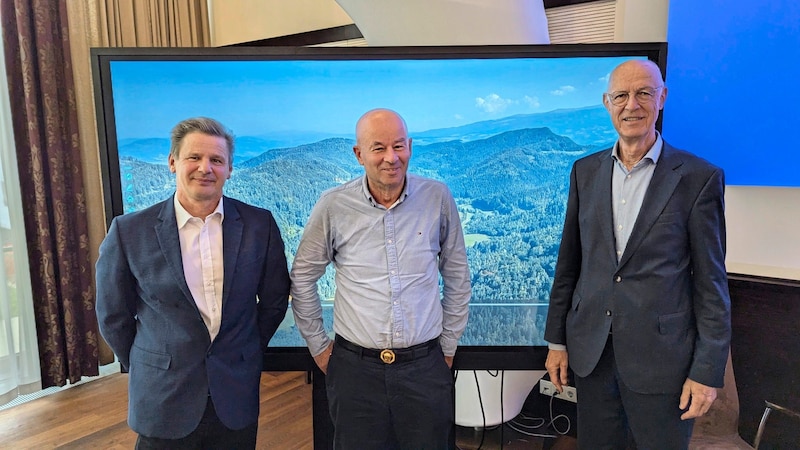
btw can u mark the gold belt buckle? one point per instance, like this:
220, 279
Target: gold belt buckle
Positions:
387, 356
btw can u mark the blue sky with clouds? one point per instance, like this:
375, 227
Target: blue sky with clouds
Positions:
261, 97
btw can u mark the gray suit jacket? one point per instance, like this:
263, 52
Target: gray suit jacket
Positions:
147, 315
667, 298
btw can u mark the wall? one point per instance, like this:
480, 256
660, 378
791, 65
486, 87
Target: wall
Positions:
236, 21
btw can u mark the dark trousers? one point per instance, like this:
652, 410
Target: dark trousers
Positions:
403, 405
210, 434
608, 411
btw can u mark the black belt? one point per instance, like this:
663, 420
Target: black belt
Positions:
389, 355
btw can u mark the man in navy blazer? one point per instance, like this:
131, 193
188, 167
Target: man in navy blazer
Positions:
639, 308
189, 293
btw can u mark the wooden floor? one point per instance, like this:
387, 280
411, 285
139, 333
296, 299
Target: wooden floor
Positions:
93, 416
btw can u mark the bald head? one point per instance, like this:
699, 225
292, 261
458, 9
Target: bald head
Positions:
636, 68
376, 117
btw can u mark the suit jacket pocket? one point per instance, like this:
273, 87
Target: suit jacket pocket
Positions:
674, 323
153, 359
576, 301
248, 353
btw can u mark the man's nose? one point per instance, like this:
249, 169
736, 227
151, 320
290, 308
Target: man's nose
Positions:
632, 103
204, 165
390, 156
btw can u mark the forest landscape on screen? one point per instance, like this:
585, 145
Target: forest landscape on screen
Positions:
502, 133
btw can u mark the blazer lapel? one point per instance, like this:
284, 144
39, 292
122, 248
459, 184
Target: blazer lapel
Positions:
602, 189
232, 229
665, 179
170, 244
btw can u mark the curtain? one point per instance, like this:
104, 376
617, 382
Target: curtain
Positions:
153, 23
120, 23
44, 118
19, 357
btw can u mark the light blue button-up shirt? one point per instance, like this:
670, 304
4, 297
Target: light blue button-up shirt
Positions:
628, 188
387, 264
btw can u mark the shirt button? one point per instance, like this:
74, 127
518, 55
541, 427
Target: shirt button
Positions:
624, 201
608, 313
618, 279
619, 227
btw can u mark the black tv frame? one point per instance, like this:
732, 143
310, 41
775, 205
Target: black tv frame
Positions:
298, 358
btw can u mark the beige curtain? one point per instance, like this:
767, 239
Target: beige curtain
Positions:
152, 23
121, 23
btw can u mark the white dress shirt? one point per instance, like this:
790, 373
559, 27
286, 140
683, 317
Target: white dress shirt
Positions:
201, 252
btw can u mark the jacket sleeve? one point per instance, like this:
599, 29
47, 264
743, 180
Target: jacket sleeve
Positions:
273, 289
568, 269
116, 296
711, 300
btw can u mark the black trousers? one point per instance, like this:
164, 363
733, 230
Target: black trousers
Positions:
403, 405
210, 434
608, 411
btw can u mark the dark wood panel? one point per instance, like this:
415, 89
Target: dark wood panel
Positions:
765, 350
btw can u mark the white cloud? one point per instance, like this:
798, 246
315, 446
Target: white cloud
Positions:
563, 90
533, 102
492, 103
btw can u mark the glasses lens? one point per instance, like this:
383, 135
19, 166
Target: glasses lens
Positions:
618, 98
643, 96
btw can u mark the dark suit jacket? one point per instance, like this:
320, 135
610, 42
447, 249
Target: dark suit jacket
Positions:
667, 298
147, 315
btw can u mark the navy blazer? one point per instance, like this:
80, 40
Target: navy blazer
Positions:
147, 315
667, 298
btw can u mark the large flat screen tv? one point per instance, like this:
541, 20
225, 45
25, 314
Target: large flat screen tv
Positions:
501, 125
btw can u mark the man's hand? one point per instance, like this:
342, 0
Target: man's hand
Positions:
698, 397
323, 358
449, 361
556, 365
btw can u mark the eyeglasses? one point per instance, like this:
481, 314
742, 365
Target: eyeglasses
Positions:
643, 96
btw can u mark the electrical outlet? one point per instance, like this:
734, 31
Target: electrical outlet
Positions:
568, 393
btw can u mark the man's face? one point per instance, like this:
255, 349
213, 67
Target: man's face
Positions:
201, 169
384, 149
643, 92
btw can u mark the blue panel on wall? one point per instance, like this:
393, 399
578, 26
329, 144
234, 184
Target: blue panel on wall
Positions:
733, 73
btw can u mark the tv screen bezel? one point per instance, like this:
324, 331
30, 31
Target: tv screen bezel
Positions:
298, 358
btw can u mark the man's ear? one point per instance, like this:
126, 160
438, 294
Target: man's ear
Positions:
357, 152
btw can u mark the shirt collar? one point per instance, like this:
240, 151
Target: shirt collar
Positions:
368, 195
182, 216
653, 154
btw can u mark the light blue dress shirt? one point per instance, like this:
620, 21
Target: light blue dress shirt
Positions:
387, 265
